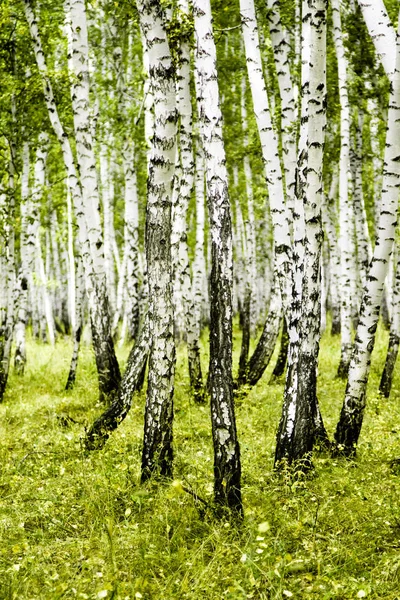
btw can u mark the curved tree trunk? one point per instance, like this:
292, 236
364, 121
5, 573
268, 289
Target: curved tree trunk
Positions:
262, 354
132, 381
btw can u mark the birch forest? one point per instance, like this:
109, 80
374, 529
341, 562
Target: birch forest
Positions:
199, 299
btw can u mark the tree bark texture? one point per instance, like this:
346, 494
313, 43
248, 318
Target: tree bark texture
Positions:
349, 426
157, 455
227, 466
300, 412
385, 385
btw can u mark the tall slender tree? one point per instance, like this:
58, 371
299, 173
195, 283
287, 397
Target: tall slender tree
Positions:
227, 466
157, 453
349, 426
301, 421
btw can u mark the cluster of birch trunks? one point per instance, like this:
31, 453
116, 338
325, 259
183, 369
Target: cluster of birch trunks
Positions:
310, 247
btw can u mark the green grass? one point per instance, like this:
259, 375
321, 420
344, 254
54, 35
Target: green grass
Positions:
76, 526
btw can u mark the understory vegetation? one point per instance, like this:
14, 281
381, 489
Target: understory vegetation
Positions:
74, 525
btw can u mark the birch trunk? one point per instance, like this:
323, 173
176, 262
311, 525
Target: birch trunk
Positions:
132, 379
107, 365
382, 32
7, 216
184, 181
131, 239
364, 247
281, 44
270, 149
349, 426
265, 347
301, 421
227, 467
346, 231
200, 284
157, 456
281, 361
22, 318
77, 327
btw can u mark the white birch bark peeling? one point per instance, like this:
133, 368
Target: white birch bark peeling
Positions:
227, 468
351, 417
157, 452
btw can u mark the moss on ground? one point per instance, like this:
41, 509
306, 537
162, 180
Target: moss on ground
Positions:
76, 526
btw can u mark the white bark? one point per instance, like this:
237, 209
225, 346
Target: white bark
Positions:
227, 470
107, 196
200, 284
184, 181
270, 148
131, 238
382, 32
20, 327
249, 229
78, 64
105, 358
281, 44
349, 426
364, 246
157, 445
346, 227
301, 421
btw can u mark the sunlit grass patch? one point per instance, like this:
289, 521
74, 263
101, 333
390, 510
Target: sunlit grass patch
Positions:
81, 526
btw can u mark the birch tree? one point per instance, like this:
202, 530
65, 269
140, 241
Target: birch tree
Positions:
346, 228
385, 385
381, 31
227, 466
107, 366
22, 316
351, 417
301, 421
157, 455
184, 182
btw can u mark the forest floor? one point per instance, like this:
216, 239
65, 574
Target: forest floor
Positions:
77, 526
